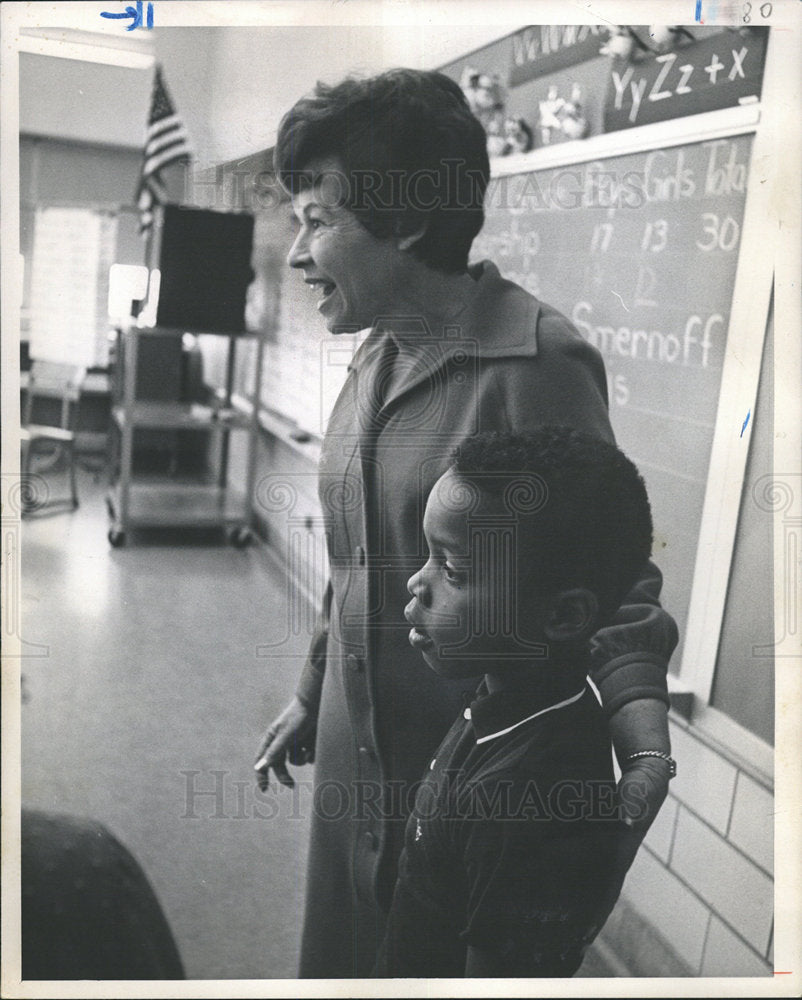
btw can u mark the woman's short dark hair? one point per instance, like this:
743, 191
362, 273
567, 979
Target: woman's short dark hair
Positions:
411, 151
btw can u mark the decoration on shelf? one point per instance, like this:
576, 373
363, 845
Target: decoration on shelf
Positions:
485, 96
624, 43
665, 37
562, 119
572, 117
550, 123
518, 136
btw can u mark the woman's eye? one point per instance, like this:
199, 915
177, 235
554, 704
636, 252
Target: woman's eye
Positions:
452, 574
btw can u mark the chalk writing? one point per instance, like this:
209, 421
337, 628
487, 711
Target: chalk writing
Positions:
640, 252
714, 72
690, 347
545, 48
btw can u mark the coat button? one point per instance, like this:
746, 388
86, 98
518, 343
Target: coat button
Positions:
360, 555
366, 752
354, 662
371, 840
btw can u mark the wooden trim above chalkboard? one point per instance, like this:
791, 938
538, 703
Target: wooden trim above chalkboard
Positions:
678, 132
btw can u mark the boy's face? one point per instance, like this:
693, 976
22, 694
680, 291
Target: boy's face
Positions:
463, 598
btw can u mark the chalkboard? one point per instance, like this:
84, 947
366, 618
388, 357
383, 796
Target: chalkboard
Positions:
640, 252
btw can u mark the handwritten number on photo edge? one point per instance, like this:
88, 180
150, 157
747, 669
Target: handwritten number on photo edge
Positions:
135, 14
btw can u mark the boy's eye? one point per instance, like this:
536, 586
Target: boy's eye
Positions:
451, 573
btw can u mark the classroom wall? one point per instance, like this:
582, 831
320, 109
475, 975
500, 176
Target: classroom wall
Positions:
83, 102
701, 889
232, 85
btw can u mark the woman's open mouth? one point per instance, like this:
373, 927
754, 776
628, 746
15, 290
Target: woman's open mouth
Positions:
324, 290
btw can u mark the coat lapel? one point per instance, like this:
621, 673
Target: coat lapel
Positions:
499, 321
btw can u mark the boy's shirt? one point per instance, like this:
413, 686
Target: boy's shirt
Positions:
511, 841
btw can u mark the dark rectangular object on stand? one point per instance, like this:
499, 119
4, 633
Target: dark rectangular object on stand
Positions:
205, 263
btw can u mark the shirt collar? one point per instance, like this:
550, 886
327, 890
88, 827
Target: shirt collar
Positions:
499, 320
545, 691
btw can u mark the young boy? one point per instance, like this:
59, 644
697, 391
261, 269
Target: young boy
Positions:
533, 542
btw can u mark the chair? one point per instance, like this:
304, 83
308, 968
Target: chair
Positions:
60, 382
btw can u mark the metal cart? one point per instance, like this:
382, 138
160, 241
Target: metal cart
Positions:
172, 500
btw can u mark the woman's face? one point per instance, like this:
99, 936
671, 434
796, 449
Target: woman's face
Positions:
356, 275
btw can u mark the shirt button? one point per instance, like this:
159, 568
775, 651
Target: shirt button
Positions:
371, 840
354, 662
360, 555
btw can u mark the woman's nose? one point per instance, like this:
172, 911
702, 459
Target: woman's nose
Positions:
299, 252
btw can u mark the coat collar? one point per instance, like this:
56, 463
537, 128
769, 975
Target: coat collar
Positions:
498, 321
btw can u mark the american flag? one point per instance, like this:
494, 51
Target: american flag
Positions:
165, 142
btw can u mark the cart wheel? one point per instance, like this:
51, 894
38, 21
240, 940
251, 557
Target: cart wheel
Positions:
240, 537
116, 538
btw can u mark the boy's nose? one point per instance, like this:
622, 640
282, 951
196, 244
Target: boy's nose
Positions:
416, 585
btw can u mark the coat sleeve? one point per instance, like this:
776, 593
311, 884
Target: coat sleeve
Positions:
565, 384
311, 680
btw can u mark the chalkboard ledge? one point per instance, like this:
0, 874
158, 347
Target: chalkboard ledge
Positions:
289, 433
681, 697
658, 135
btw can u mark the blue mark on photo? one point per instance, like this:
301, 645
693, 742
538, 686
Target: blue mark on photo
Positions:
135, 13
748, 415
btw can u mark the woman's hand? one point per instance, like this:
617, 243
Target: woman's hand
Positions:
291, 737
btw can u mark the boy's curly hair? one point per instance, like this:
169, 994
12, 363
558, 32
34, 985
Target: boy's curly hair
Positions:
591, 524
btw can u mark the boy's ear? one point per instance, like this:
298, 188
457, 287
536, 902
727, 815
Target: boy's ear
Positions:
573, 616
407, 240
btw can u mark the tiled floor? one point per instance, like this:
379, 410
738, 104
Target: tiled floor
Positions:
144, 690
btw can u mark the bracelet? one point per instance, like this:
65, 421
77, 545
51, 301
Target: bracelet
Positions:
672, 764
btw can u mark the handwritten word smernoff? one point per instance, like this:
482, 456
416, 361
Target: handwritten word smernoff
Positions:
135, 13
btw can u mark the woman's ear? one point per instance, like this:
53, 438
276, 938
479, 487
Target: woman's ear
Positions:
573, 616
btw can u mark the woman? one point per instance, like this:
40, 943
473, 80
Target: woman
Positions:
387, 178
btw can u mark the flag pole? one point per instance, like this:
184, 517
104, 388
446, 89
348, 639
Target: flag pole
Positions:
166, 142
